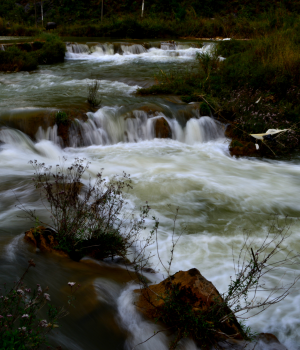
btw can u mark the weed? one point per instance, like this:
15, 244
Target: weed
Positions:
90, 220
20, 325
61, 118
94, 98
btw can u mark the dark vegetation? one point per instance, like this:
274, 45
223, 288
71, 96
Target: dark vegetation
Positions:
171, 18
46, 49
255, 88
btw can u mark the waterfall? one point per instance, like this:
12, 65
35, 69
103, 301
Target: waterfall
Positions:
133, 49
106, 127
109, 126
97, 50
2, 48
16, 138
49, 134
78, 48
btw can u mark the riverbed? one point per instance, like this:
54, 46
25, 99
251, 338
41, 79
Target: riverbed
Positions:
219, 197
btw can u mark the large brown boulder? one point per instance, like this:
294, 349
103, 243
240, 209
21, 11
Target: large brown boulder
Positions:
162, 129
195, 290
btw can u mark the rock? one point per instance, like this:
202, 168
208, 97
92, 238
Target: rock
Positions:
194, 289
44, 239
243, 148
162, 129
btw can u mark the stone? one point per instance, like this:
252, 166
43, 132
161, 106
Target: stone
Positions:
44, 239
243, 149
194, 289
162, 129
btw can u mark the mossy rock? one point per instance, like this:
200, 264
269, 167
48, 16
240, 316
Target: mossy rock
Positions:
240, 148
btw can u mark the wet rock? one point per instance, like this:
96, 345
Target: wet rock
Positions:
162, 129
243, 149
194, 289
44, 239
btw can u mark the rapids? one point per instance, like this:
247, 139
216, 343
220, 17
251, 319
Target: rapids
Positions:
219, 196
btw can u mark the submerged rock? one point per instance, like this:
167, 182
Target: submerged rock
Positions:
195, 290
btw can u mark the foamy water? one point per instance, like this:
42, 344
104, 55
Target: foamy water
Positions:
218, 196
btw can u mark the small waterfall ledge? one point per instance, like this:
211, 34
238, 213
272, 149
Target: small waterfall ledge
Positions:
106, 127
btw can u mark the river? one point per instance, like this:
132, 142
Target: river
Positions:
219, 196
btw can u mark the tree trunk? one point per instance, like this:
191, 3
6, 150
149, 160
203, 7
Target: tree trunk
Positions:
143, 8
102, 12
42, 13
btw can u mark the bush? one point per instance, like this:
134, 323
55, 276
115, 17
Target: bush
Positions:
92, 219
13, 59
62, 118
94, 98
53, 51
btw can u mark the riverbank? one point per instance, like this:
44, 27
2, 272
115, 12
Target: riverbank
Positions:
250, 85
45, 49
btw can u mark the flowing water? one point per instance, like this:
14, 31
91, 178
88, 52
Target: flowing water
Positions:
219, 196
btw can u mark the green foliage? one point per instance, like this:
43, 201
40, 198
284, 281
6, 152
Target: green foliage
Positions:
232, 47
53, 51
256, 86
94, 98
62, 118
49, 52
37, 45
13, 59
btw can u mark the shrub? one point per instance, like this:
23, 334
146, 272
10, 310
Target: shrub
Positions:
62, 118
13, 59
92, 219
53, 51
94, 98
37, 45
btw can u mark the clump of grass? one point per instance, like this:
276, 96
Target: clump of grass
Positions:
61, 118
94, 98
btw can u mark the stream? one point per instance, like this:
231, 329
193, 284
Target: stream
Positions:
219, 197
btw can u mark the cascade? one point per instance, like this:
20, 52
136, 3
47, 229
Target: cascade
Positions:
107, 127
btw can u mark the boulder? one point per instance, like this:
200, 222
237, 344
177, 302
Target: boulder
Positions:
243, 149
162, 129
195, 290
43, 239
